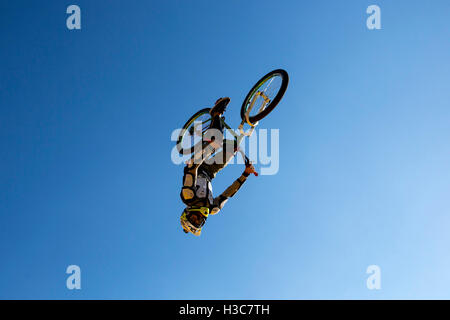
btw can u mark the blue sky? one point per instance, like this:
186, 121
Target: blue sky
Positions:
86, 176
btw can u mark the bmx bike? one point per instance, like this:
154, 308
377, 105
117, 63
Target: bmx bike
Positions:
262, 98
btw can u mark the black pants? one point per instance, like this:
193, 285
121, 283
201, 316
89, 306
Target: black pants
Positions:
219, 160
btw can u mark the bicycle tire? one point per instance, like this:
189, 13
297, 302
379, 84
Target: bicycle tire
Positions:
285, 80
186, 151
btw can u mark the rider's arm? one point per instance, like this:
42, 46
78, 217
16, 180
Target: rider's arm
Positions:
220, 201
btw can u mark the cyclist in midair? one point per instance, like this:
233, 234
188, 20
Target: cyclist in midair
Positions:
196, 191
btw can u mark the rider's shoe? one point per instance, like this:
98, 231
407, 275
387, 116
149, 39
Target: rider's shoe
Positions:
216, 123
219, 107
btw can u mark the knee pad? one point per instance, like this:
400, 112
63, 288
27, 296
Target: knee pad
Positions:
188, 180
187, 193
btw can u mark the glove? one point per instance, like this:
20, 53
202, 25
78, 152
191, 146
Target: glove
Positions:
249, 168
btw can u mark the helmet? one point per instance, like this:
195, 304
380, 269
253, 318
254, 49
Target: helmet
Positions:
193, 218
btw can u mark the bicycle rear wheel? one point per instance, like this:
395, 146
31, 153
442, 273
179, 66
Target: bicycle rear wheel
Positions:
265, 95
192, 132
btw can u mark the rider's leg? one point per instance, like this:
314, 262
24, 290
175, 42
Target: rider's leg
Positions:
221, 159
214, 140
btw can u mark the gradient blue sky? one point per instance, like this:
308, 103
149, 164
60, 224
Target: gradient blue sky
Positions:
86, 176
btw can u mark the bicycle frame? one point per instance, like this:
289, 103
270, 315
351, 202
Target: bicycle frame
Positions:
206, 152
243, 134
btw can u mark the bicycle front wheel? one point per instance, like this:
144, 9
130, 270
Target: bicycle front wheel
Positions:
264, 96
